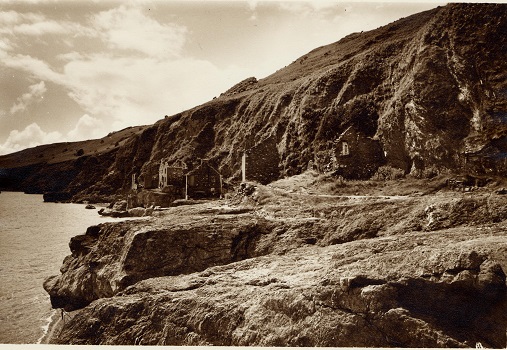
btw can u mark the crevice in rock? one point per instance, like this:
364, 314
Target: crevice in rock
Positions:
462, 311
243, 244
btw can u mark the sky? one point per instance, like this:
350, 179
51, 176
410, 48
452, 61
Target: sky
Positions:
76, 70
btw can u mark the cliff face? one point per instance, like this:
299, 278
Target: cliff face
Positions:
430, 88
282, 268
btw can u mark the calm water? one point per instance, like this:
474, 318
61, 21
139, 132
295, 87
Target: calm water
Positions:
34, 239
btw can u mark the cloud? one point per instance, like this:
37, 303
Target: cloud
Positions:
35, 67
33, 24
127, 28
302, 8
142, 77
252, 5
40, 28
136, 88
29, 2
35, 93
5, 45
134, 91
9, 17
305, 9
87, 128
70, 56
31, 136
51, 27
13, 17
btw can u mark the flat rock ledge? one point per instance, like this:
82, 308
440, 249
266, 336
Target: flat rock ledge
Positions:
204, 275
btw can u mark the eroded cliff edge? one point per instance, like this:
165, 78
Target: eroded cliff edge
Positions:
282, 266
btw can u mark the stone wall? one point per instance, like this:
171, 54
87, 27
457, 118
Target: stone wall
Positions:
262, 162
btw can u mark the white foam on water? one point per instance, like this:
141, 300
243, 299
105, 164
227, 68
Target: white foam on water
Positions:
45, 327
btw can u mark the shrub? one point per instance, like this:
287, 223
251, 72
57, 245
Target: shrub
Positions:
426, 173
387, 172
430, 172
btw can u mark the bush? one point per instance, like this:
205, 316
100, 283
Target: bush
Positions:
426, 173
431, 172
387, 172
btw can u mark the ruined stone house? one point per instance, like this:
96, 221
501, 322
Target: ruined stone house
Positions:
204, 181
170, 174
171, 178
144, 179
357, 156
148, 177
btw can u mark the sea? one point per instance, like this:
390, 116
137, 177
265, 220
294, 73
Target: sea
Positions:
34, 240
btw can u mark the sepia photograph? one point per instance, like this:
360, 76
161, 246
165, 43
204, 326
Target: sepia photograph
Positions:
253, 174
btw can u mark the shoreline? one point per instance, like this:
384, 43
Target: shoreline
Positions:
55, 325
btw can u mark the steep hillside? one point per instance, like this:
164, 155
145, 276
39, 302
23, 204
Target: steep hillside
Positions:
429, 91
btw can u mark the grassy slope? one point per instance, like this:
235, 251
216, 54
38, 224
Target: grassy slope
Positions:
321, 58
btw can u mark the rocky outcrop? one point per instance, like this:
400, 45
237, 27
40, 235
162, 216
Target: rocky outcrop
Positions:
408, 291
242, 86
111, 257
274, 267
147, 198
57, 197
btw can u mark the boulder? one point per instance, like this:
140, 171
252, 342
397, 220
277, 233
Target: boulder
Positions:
120, 205
139, 211
148, 198
113, 213
501, 191
129, 253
